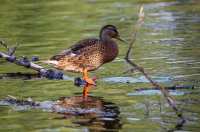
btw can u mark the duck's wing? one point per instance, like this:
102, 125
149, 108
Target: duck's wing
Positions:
76, 49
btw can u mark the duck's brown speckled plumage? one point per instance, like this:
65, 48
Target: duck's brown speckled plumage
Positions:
89, 53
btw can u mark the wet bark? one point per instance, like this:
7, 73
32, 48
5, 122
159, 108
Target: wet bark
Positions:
25, 62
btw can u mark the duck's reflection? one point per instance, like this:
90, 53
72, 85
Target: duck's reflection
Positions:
93, 112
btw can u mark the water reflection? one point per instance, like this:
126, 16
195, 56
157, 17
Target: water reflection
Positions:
93, 112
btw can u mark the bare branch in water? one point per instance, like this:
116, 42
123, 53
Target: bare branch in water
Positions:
175, 87
24, 61
171, 101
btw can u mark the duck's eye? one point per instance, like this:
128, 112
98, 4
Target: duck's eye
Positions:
115, 30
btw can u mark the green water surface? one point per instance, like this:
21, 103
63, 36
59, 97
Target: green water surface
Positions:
167, 46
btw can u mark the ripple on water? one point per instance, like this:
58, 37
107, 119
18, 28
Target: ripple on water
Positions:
133, 119
161, 26
140, 79
167, 41
165, 15
159, 4
155, 92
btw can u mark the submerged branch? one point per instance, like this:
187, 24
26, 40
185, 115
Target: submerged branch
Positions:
25, 62
171, 101
175, 87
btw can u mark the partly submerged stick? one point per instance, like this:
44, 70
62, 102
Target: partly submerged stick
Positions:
10, 57
171, 101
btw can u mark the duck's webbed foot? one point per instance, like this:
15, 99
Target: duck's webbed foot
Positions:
89, 83
88, 80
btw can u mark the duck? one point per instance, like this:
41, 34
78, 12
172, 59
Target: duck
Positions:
89, 54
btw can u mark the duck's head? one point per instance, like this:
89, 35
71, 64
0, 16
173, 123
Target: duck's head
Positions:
108, 32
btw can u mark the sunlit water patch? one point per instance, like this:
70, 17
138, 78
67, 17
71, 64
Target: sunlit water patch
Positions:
159, 5
161, 26
141, 79
168, 41
155, 92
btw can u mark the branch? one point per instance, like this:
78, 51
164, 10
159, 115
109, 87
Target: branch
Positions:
24, 61
175, 87
171, 101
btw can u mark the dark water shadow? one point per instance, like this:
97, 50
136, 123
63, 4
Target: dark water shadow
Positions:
20, 75
91, 112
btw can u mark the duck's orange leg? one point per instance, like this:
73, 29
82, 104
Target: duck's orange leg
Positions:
89, 83
86, 90
86, 78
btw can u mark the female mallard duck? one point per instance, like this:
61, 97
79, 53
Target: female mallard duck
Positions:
89, 54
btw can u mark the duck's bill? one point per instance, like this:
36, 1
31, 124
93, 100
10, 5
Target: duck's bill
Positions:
122, 40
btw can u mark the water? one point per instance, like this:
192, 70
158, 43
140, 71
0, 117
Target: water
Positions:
167, 47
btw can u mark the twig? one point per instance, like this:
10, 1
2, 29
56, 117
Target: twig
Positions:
12, 97
11, 50
171, 101
176, 87
48, 73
